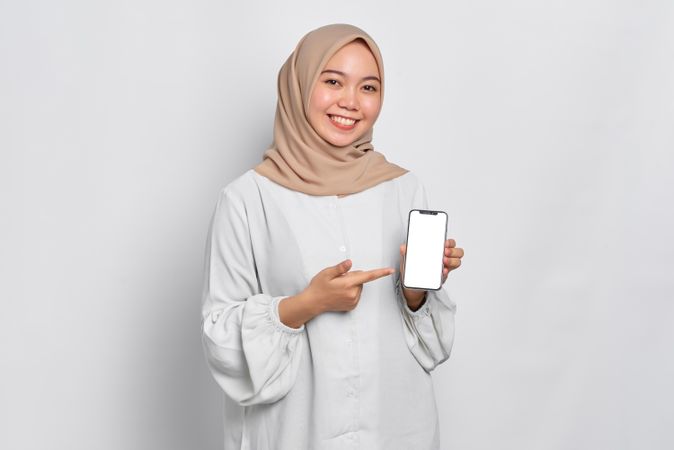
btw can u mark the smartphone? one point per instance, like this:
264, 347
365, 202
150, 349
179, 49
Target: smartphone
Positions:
426, 234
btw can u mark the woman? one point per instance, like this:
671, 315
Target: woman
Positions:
305, 325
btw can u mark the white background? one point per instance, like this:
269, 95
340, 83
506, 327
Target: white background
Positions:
544, 128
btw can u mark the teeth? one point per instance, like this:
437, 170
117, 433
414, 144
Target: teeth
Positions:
342, 120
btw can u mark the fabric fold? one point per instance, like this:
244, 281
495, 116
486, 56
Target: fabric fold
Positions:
429, 331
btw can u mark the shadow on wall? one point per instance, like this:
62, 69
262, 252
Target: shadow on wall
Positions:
181, 405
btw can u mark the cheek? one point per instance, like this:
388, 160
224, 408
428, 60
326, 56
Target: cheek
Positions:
371, 107
316, 112
320, 101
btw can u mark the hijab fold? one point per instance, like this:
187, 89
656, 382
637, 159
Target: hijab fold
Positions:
299, 158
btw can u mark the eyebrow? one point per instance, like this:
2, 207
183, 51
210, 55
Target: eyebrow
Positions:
344, 75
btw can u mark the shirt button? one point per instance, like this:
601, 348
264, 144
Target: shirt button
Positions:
342, 248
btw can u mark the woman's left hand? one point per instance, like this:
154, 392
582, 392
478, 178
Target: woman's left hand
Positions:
451, 261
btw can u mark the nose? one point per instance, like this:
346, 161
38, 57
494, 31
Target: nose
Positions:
349, 100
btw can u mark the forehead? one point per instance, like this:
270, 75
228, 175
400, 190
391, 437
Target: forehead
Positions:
354, 57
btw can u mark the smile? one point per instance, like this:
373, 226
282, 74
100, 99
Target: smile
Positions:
342, 122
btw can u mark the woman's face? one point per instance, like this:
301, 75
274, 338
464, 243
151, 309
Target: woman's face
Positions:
346, 98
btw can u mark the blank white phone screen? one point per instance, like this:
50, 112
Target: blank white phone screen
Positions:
425, 249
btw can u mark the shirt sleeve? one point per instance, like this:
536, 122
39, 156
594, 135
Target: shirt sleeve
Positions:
252, 355
429, 331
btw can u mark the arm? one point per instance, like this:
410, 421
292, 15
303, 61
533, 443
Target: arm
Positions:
428, 316
252, 355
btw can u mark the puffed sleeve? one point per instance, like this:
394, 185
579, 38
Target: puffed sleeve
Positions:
429, 331
252, 355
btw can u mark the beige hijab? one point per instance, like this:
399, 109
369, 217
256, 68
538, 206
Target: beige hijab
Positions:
299, 158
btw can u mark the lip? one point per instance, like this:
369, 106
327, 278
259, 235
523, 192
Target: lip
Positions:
341, 126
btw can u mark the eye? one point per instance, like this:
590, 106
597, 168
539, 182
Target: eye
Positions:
331, 82
370, 88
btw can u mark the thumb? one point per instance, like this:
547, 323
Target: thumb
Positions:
339, 269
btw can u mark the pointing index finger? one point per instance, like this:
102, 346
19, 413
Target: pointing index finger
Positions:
370, 275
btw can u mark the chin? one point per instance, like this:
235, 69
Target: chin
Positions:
344, 141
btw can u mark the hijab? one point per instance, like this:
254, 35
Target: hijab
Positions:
299, 158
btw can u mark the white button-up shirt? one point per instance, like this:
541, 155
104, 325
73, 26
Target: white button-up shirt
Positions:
344, 380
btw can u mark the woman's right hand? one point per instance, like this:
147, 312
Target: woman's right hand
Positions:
332, 289
336, 289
